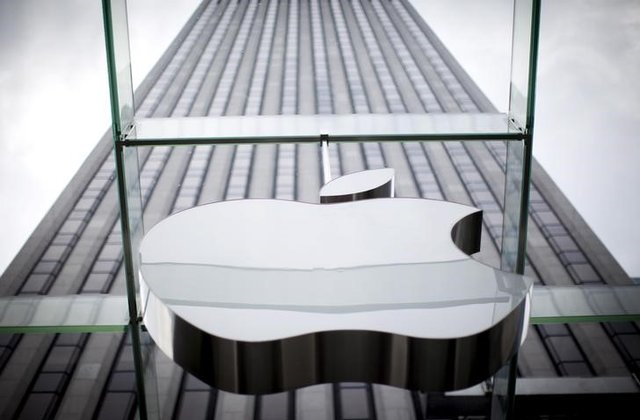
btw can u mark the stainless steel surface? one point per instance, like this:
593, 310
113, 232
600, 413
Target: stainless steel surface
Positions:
375, 183
260, 296
326, 165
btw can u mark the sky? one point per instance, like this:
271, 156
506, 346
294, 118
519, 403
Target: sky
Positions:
587, 103
54, 98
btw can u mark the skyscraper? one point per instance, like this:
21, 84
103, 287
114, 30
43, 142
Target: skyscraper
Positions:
292, 57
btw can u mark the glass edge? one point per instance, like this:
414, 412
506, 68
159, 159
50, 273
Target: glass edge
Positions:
61, 329
137, 137
581, 319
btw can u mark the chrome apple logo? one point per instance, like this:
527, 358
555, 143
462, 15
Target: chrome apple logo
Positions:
260, 296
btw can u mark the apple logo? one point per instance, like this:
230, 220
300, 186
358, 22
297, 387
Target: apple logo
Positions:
259, 296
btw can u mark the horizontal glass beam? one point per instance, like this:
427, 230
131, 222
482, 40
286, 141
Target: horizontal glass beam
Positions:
573, 304
310, 128
107, 313
58, 314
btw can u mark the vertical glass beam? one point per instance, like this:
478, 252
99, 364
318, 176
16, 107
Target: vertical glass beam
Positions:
143, 349
524, 52
524, 55
526, 25
128, 174
116, 34
131, 220
504, 388
148, 374
116, 30
514, 219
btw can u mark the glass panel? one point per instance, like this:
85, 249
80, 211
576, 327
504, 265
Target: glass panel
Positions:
119, 63
134, 199
585, 303
74, 313
525, 23
300, 128
513, 197
517, 178
160, 377
132, 226
144, 360
105, 313
502, 397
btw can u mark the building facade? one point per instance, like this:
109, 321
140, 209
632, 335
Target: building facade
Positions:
302, 57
